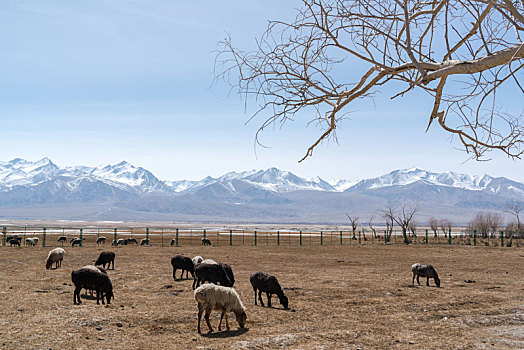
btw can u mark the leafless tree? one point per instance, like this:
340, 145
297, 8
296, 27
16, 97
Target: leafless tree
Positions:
354, 224
514, 208
388, 217
412, 226
370, 224
462, 54
486, 224
445, 226
494, 223
433, 223
404, 217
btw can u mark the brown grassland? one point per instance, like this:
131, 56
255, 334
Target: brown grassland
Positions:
342, 297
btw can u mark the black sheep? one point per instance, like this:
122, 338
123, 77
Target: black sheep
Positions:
428, 271
213, 273
268, 284
106, 258
206, 241
89, 278
184, 263
229, 272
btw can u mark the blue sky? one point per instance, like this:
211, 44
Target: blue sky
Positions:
97, 82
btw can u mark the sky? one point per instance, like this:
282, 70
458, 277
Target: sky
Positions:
97, 82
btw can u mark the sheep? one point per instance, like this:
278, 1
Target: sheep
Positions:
121, 241
15, 241
268, 284
89, 278
206, 241
62, 239
428, 271
208, 261
173, 241
55, 256
211, 297
75, 241
35, 240
144, 241
30, 242
226, 267
184, 263
213, 273
197, 260
132, 240
101, 240
106, 258
94, 268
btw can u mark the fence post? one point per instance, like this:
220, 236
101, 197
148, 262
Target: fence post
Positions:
4, 232
474, 237
204, 234
278, 237
230, 237
162, 237
340, 237
321, 238
43, 237
114, 237
176, 237
255, 237
385, 238
426, 236
449, 237
502, 238
405, 236
81, 236
300, 237
358, 237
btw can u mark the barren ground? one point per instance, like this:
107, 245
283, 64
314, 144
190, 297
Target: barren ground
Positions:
343, 297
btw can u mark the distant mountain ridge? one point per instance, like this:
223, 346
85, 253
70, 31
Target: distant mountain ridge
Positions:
255, 195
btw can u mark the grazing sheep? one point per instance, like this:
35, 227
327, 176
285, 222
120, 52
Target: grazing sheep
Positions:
173, 241
106, 258
197, 260
94, 268
213, 273
8, 238
75, 241
206, 241
62, 239
55, 256
35, 240
144, 241
15, 241
101, 240
210, 297
121, 241
226, 267
268, 284
229, 272
132, 240
30, 242
92, 278
184, 263
428, 271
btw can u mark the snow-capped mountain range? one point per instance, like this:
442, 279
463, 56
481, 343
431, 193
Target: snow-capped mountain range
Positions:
25, 183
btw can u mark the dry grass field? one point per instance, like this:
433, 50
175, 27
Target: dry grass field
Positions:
341, 298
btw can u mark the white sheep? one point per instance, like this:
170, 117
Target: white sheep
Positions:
35, 240
209, 261
29, 242
55, 256
212, 297
197, 260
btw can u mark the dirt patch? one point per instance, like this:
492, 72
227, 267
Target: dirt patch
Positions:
340, 297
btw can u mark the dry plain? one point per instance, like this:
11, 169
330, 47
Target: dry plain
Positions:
342, 298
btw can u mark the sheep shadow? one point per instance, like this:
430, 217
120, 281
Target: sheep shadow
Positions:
226, 334
273, 307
